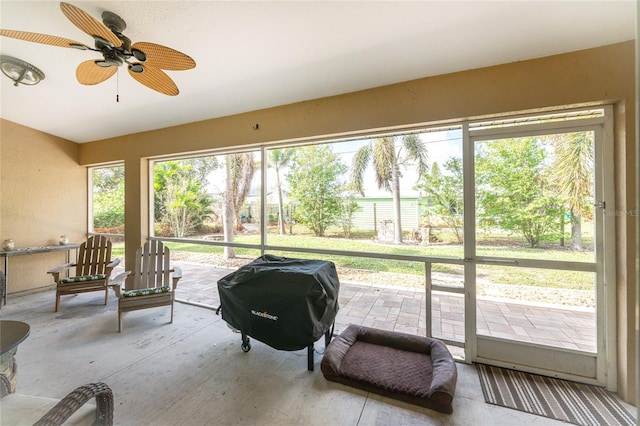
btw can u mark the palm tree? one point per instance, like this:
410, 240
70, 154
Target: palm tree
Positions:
573, 175
278, 159
388, 155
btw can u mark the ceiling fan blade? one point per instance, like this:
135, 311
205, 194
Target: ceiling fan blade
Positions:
88, 23
43, 38
165, 58
156, 79
89, 73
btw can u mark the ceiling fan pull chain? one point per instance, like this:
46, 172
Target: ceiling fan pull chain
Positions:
117, 86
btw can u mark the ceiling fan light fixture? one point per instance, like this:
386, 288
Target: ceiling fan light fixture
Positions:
101, 43
78, 46
139, 55
136, 68
110, 61
19, 71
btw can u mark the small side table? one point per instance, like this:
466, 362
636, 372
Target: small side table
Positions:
12, 333
31, 250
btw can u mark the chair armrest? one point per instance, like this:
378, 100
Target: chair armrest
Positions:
177, 274
61, 268
118, 281
115, 262
76, 399
109, 267
55, 272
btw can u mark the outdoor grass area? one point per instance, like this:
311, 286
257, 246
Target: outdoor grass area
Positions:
496, 246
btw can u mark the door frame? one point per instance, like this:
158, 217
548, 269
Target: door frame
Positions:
501, 352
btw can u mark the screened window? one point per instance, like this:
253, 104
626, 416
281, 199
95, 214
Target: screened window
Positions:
107, 200
211, 198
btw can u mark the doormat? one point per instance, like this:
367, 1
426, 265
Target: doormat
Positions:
563, 400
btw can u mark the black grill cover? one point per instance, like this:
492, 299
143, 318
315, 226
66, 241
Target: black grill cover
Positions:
286, 303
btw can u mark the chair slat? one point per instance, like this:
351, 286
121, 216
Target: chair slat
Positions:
146, 266
101, 260
153, 265
82, 254
88, 257
159, 265
138, 269
166, 272
94, 255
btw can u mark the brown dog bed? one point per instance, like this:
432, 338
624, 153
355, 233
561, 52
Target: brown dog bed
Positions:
414, 369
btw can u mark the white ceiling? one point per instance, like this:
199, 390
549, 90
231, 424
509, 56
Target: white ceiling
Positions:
252, 55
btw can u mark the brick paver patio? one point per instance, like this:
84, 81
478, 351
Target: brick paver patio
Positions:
404, 310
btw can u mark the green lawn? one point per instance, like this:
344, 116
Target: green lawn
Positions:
496, 247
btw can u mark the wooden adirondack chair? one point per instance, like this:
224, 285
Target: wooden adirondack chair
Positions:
92, 270
154, 281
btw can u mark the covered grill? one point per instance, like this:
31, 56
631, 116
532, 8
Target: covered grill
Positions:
286, 303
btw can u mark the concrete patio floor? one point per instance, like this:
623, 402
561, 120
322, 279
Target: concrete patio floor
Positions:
193, 372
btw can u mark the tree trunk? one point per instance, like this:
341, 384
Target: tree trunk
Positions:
228, 217
395, 192
576, 231
562, 229
280, 206
291, 218
375, 222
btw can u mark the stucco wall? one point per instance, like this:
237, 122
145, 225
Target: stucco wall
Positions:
44, 195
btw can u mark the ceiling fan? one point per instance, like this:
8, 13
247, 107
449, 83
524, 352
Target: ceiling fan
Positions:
145, 61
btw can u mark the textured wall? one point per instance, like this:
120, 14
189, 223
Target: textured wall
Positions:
44, 195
